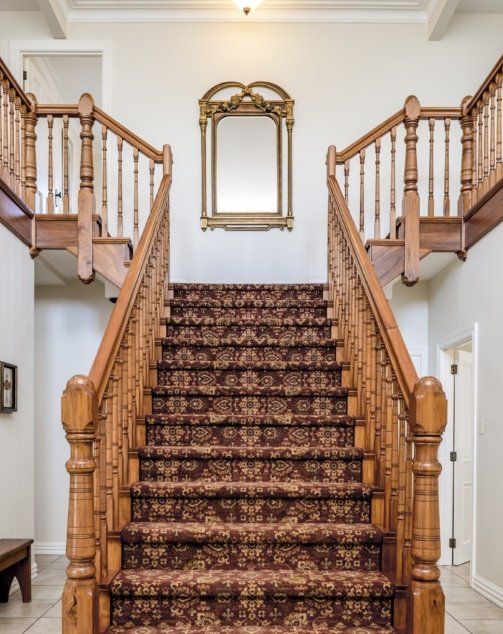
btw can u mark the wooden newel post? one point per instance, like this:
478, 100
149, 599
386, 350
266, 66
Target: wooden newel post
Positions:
167, 160
411, 197
467, 158
428, 416
86, 193
331, 160
79, 415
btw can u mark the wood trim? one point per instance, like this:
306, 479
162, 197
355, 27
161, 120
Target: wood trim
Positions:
430, 112
486, 214
497, 68
13, 82
398, 353
127, 135
370, 137
14, 214
112, 338
72, 110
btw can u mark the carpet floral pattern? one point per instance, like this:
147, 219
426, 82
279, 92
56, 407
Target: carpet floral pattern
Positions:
250, 515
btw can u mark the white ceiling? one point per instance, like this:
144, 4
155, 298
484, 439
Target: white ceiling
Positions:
435, 13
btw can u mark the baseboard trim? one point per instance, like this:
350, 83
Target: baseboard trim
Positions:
15, 585
488, 589
50, 548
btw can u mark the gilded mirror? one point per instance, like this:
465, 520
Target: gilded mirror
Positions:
246, 152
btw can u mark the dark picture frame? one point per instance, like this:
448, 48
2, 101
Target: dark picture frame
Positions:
8, 388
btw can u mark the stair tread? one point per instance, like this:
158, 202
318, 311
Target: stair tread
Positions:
264, 342
307, 532
224, 452
269, 321
209, 286
221, 390
251, 364
339, 420
251, 629
295, 489
251, 583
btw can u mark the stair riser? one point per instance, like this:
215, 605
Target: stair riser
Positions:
249, 357
166, 509
230, 610
297, 295
250, 556
246, 378
250, 405
214, 470
207, 315
252, 335
249, 436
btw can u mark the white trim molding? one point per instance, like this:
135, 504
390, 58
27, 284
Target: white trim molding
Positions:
488, 589
50, 548
348, 11
102, 48
458, 338
419, 356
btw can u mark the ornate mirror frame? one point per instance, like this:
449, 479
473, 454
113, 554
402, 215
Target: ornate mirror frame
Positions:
245, 103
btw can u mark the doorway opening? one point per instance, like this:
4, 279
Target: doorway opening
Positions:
458, 371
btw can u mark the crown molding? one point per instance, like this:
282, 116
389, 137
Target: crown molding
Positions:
344, 11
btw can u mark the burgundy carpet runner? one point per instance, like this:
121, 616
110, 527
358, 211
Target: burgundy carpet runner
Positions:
250, 516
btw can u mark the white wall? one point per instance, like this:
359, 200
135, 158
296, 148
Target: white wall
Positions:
460, 296
410, 307
70, 321
17, 518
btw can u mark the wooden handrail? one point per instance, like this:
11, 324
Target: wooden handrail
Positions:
371, 137
114, 332
395, 345
6, 74
57, 109
127, 135
497, 68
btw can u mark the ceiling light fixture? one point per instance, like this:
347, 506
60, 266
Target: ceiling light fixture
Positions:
247, 6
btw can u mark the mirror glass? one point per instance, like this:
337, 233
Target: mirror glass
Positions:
247, 165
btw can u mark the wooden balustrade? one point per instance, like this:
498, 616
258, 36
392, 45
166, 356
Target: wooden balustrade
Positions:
101, 411
15, 106
404, 416
482, 140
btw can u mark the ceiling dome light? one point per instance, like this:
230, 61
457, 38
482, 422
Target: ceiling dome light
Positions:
247, 6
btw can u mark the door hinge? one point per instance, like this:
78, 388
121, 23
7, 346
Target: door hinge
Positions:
452, 542
454, 368
453, 456
25, 75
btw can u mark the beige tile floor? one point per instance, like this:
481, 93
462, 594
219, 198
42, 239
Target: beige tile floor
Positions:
466, 610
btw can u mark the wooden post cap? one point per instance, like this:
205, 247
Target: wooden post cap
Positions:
79, 406
428, 412
86, 104
412, 107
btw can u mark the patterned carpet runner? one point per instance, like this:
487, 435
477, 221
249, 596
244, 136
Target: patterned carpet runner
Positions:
250, 516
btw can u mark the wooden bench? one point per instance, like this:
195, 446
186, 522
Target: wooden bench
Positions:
15, 561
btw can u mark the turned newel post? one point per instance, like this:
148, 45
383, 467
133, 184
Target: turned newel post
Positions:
167, 160
428, 416
30, 152
467, 158
411, 197
331, 160
79, 415
86, 192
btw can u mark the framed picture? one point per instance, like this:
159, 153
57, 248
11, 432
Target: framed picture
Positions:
8, 388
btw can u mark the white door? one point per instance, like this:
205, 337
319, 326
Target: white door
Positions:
463, 432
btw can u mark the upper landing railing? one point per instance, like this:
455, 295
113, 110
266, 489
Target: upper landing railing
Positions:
431, 162
76, 159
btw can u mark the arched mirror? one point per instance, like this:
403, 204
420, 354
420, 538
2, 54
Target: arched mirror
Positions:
246, 155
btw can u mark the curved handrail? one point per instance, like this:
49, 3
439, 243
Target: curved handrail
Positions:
127, 135
114, 332
370, 137
6, 74
392, 337
496, 69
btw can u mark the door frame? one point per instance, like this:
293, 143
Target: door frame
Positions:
457, 339
18, 49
